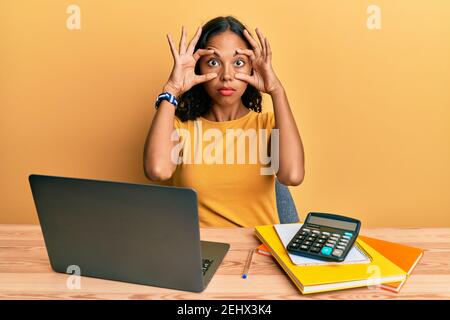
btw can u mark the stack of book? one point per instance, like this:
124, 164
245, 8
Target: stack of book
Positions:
370, 262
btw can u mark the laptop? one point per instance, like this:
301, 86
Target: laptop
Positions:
138, 233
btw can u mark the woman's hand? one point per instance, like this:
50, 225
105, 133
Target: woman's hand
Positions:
183, 76
263, 78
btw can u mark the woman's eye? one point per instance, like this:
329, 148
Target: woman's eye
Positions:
210, 61
214, 63
242, 63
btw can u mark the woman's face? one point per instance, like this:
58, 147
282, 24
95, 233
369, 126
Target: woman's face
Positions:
226, 62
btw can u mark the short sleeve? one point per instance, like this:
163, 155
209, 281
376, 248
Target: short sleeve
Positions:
270, 120
176, 122
270, 124
182, 130
177, 125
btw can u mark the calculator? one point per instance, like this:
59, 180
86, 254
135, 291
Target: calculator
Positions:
325, 236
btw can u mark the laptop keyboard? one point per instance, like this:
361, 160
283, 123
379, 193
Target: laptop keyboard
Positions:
206, 263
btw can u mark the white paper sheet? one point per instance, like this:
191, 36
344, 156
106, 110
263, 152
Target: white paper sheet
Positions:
287, 231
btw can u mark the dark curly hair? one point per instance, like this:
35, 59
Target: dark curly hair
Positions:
196, 102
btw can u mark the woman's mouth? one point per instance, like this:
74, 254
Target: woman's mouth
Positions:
226, 91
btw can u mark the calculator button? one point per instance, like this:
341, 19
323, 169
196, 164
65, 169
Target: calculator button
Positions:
321, 241
314, 250
331, 241
316, 231
348, 234
337, 253
344, 241
294, 245
307, 230
319, 245
304, 233
330, 245
336, 235
310, 238
323, 237
346, 237
303, 247
307, 243
297, 240
326, 251
334, 238
340, 247
326, 233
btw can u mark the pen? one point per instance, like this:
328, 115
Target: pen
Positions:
247, 264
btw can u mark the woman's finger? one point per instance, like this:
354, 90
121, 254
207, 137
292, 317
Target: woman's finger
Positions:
247, 52
269, 51
183, 41
263, 44
172, 47
202, 52
244, 77
193, 42
253, 43
204, 77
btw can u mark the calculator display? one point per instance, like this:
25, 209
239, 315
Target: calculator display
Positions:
332, 223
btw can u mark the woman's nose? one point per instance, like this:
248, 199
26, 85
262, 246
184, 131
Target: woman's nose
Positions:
226, 77
227, 73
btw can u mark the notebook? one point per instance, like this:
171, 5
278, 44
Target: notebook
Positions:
287, 231
403, 256
262, 249
321, 278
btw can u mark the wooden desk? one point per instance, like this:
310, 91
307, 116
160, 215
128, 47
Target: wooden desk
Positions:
25, 271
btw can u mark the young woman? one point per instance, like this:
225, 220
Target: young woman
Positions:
214, 94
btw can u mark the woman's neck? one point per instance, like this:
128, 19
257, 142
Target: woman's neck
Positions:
226, 113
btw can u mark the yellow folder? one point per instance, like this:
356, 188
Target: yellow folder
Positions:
312, 279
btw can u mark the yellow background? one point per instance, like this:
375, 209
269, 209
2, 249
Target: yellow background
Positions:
372, 106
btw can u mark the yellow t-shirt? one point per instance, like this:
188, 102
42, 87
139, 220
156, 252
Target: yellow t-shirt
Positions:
220, 161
